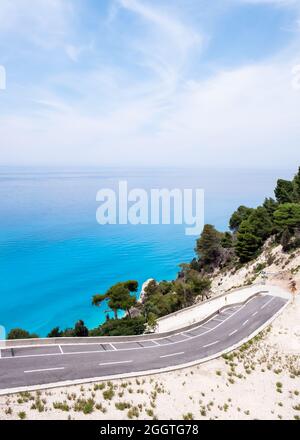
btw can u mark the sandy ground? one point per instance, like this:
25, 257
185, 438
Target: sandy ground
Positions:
259, 381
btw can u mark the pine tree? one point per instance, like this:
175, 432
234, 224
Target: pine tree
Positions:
208, 246
284, 191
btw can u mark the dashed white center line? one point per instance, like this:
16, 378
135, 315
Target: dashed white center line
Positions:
44, 369
114, 363
232, 333
244, 323
170, 355
255, 313
209, 345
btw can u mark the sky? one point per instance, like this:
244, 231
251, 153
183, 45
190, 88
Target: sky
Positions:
196, 83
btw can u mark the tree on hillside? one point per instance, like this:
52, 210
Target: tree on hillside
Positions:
80, 329
121, 327
241, 214
287, 216
55, 333
118, 297
247, 244
18, 333
150, 289
252, 234
200, 285
270, 205
296, 187
284, 191
261, 222
227, 240
208, 247
184, 293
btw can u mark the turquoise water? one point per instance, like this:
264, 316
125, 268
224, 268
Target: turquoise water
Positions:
55, 256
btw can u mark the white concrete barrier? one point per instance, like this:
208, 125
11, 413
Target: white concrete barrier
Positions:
200, 312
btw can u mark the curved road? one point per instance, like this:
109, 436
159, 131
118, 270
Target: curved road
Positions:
34, 366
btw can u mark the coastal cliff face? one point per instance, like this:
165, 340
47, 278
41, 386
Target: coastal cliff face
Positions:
275, 265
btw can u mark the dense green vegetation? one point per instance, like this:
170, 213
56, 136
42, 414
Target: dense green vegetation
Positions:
18, 333
119, 297
122, 327
249, 228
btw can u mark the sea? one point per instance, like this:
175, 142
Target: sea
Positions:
54, 255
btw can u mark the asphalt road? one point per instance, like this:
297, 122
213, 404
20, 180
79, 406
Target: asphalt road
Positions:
31, 366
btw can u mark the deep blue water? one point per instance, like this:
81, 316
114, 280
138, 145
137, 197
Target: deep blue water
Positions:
54, 255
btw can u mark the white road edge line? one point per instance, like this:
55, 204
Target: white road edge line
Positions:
114, 363
44, 369
170, 355
209, 345
232, 333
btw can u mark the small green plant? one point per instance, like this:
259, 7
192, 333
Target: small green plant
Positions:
121, 406
133, 413
99, 386
62, 406
188, 416
150, 412
100, 407
22, 415
108, 394
85, 406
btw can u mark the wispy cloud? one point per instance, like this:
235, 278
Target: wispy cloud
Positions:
44, 23
142, 97
167, 42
